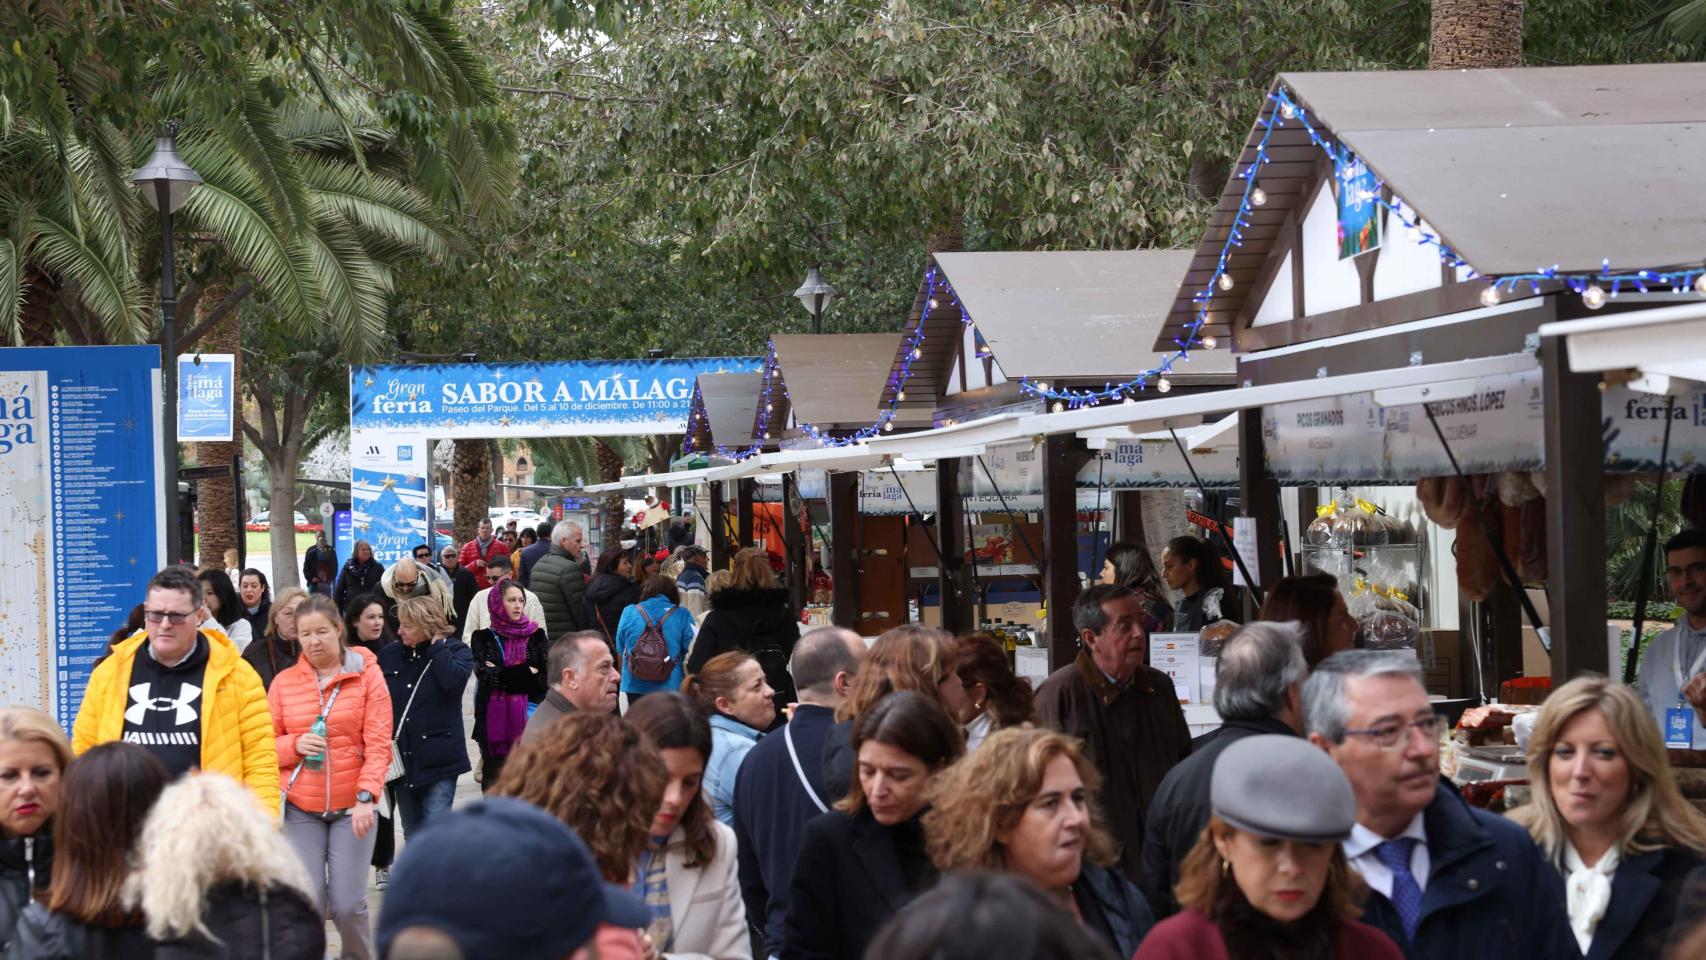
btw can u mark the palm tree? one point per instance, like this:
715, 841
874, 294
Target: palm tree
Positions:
1626, 526
1475, 34
603, 460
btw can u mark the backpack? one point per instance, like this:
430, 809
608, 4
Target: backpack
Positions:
649, 658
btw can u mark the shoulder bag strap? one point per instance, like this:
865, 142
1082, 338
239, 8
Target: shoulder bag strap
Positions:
800, 771
419, 682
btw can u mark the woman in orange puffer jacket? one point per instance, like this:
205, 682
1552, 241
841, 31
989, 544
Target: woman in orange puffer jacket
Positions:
333, 781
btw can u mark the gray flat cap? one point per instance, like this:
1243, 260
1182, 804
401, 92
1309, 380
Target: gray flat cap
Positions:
1283, 787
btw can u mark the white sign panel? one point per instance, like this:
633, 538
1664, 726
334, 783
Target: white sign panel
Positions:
1333, 440
1498, 427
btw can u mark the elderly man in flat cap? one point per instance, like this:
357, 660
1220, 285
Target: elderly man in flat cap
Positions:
1449, 881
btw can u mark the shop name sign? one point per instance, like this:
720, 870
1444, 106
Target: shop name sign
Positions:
603, 396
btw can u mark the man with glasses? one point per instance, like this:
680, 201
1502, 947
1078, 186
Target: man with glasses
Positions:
183, 694
462, 583
1673, 664
405, 579
1447, 880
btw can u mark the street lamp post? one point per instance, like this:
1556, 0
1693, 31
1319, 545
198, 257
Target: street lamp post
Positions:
815, 295
166, 181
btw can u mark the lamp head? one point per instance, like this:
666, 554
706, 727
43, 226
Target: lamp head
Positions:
166, 169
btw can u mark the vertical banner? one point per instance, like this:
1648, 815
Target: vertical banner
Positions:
206, 401
1358, 198
80, 508
343, 536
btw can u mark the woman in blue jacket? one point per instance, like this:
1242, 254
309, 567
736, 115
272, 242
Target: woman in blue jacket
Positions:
660, 604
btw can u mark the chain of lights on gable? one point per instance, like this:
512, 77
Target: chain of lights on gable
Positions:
937, 292
1594, 288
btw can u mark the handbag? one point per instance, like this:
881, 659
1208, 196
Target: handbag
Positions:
395, 769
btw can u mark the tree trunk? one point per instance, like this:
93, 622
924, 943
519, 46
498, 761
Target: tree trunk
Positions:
281, 470
661, 449
35, 319
1475, 34
471, 486
220, 523
948, 236
609, 471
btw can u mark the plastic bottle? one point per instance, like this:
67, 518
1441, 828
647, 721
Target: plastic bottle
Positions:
315, 761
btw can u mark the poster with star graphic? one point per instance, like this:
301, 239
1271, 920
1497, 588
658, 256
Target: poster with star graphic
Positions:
81, 482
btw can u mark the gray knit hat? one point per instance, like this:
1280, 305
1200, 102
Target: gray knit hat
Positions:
1283, 787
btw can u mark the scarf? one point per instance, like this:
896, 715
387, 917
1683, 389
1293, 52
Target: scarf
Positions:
1250, 934
1588, 890
506, 712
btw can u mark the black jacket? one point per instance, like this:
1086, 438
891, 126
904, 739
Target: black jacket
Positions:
526, 557
527, 677
758, 621
356, 579
431, 740
1112, 906
606, 597
560, 582
1490, 893
1180, 810
1647, 904
20, 858
464, 586
270, 656
837, 764
238, 915
852, 876
771, 810
319, 562
54, 936
258, 619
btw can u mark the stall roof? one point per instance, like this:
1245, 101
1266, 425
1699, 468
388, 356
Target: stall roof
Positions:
837, 377
721, 411
1516, 169
1073, 315
1670, 341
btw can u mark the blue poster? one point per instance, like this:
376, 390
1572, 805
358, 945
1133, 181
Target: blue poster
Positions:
1358, 197
206, 388
80, 509
343, 536
587, 397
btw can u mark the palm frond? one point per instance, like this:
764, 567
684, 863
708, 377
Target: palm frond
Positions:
228, 206
252, 131
109, 288
13, 255
399, 217
354, 289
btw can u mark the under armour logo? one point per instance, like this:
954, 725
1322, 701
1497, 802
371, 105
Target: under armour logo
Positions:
141, 703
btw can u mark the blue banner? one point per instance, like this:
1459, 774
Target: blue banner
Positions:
343, 536
585, 397
80, 508
206, 397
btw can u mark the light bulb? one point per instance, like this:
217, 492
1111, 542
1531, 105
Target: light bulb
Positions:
934, 303
1058, 406
1209, 342
768, 408
1288, 111
766, 434
1415, 233
1593, 297
1490, 296
1700, 284
1163, 385
917, 352
1042, 386
900, 397
888, 427
1128, 400
1225, 282
1258, 197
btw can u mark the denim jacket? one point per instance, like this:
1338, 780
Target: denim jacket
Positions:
730, 742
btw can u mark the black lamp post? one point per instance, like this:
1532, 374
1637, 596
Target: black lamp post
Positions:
815, 295
166, 181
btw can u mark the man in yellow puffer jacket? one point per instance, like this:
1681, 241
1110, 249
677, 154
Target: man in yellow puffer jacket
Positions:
183, 693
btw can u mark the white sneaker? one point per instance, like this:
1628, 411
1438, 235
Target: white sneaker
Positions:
381, 877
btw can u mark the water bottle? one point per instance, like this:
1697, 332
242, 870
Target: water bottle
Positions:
315, 761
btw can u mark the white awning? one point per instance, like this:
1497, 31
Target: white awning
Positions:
1669, 341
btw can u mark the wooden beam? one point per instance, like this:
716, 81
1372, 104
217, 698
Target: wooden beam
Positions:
953, 577
844, 548
1258, 498
1063, 457
1128, 519
793, 543
720, 552
744, 490
1575, 517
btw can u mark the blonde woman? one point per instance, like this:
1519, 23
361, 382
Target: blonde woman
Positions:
909, 657
277, 648
216, 878
33, 756
1608, 814
426, 673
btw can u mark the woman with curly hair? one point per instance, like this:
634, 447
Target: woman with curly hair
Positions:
215, 878
603, 778
995, 698
1024, 803
865, 860
688, 875
909, 657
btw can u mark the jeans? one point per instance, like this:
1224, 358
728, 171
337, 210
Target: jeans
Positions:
413, 805
337, 874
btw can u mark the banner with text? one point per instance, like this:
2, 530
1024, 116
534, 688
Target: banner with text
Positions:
80, 506
206, 394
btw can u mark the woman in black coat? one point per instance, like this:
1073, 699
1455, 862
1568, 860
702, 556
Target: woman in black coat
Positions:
509, 659
360, 575
752, 614
862, 862
432, 666
611, 591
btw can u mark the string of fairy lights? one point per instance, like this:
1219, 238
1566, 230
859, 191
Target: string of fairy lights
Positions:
1595, 288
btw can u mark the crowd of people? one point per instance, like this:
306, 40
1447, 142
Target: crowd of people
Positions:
672, 769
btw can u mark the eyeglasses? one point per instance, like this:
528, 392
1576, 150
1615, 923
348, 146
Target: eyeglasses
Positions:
1388, 736
405, 584
170, 617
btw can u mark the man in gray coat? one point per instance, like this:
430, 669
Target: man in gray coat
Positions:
559, 578
583, 676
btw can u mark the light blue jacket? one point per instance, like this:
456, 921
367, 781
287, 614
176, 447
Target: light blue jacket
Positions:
677, 626
731, 740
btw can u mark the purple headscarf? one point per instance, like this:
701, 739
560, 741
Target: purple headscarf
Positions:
506, 713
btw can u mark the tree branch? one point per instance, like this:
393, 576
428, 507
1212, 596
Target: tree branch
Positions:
240, 293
